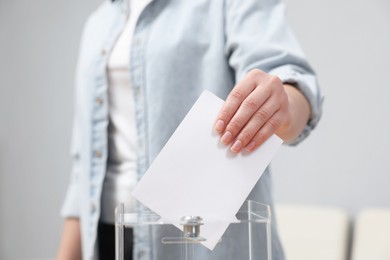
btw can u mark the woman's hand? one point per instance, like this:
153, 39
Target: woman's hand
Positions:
70, 245
257, 107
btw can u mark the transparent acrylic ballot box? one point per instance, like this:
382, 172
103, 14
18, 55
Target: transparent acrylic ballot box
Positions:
248, 237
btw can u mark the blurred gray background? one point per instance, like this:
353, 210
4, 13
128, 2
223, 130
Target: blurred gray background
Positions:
344, 163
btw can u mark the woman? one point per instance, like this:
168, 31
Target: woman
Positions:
142, 65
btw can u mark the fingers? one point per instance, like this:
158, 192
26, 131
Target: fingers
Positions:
253, 111
236, 97
264, 133
258, 124
232, 103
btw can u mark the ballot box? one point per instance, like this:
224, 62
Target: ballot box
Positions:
247, 236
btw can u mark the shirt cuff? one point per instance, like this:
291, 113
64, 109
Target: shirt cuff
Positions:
70, 207
306, 83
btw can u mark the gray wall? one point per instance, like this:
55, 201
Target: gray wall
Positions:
343, 163
38, 50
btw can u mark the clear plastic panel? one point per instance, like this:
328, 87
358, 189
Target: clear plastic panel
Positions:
248, 237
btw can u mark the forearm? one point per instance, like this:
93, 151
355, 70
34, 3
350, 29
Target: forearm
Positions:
70, 246
299, 114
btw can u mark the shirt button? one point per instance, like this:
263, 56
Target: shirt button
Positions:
137, 90
93, 207
98, 154
99, 101
103, 52
142, 145
138, 42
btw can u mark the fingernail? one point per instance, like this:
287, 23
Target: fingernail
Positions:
226, 138
219, 126
236, 146
250, 146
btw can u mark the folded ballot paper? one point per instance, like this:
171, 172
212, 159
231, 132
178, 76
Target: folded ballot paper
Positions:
196, 175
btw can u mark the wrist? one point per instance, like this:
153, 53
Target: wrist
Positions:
297, 115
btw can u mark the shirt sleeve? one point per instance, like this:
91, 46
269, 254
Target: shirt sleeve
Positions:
257, 36
71, 204
70, 207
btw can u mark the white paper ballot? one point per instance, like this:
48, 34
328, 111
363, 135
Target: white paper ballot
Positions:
196, 175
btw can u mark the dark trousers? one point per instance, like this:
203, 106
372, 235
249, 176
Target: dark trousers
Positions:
106, 242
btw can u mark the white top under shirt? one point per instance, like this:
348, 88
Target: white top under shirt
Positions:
121, 174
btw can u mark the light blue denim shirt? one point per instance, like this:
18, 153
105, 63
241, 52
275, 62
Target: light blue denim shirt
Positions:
179, 49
